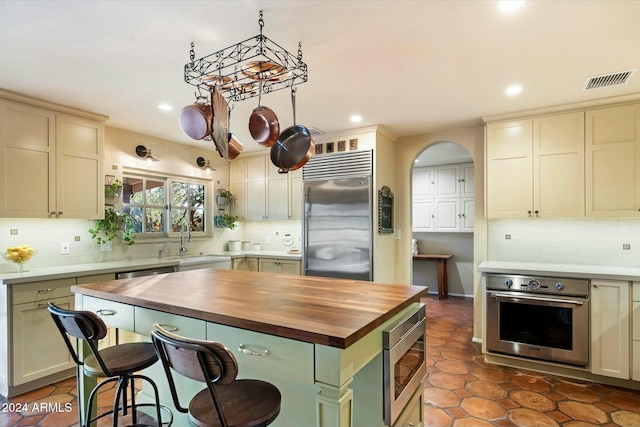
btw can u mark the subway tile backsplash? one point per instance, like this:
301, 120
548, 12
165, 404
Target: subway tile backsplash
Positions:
566, 241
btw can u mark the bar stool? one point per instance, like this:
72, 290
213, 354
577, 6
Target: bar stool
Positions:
227, 401
118, 363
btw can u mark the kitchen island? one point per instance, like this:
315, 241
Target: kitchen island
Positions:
318, 340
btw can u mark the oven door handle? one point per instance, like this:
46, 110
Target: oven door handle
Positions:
528, 298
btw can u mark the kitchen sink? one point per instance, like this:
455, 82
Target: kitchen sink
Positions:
202, 261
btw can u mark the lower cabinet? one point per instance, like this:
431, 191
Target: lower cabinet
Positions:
38, 349
610, 337
285, 363
413, 414
245, 264
282, 266
268, 265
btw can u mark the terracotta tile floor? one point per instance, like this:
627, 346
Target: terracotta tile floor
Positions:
460, 389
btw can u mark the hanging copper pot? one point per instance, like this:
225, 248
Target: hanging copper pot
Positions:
294, 146
263, 123
196, 120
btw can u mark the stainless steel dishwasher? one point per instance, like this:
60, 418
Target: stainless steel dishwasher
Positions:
144, 272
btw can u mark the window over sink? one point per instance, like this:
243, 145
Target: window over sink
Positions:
160, 206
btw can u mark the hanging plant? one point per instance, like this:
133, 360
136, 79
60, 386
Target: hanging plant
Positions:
224, 197
114, 224
225, 221
113, 189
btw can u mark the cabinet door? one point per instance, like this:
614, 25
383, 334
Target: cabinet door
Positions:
423, 215
268, 265
38, 349
509, 179
558, 165
296, 199
236, 186
467, 213
447, 181
467, 180
447, 214
613, 161
255, 188
79, 177
289, 266
610, 337
27, 161
277, 195
423, 183
245, 264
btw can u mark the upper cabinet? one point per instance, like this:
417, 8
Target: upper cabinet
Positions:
613, 161
443, 198
263, 194
51, 164
535, 167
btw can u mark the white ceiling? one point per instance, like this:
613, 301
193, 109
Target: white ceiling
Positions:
411, 66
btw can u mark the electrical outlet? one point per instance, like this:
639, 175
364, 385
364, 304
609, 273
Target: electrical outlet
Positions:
507, 236
65, 248
13, 231
626, 246
76, 238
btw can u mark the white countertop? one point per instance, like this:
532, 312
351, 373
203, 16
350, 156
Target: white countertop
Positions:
562, 270
64, 271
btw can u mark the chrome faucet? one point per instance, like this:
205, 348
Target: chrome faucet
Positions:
183, 248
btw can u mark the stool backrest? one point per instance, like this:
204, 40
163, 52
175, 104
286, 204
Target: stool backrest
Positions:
206, 361
84, 325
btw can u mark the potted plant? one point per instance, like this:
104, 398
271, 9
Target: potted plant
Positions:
115, 223
113, 189
224, 197
225, 221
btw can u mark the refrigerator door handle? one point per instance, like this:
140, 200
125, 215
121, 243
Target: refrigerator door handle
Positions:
305, 231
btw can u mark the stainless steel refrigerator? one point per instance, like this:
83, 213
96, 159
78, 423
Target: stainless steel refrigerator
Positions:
337, 225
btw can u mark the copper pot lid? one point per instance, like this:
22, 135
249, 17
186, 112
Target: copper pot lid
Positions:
264, 70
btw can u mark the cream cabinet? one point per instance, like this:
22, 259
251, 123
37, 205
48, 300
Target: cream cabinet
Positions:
535, 167
282, 266
610, 337
263, 194
52, 164
34, 333
245, 264
635, 333
443, 198
613, 161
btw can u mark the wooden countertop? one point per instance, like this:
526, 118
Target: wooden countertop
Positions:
332, 312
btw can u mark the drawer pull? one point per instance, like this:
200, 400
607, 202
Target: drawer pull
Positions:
44, 291
169, 328
246, 350
103, 312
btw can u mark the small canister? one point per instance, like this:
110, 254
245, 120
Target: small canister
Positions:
414, 247
234, 245
246, 245
255, 247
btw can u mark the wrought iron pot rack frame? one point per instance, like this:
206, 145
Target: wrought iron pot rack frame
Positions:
246, 69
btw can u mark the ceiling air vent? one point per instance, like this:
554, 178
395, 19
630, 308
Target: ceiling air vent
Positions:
315, 131
611, 79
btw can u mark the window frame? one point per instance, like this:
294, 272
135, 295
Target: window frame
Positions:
168, 181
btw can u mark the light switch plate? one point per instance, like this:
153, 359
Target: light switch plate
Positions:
65, 248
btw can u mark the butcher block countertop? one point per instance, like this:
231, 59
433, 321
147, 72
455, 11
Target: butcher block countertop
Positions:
331, 312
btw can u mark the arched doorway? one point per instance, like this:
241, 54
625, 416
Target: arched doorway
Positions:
443, 215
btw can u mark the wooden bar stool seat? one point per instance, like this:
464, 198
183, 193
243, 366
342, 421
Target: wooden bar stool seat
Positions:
227, 401
119, 363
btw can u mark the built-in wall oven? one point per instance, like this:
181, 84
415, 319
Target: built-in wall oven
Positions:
544, 318
404, 361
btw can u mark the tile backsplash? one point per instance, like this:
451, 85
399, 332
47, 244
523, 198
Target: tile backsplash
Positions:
599, 241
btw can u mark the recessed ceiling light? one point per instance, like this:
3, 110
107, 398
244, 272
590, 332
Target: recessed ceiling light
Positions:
513, 90
165, 107
510, 5
356, 119
416, 160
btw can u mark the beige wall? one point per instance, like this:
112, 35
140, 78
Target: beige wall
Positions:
407, 149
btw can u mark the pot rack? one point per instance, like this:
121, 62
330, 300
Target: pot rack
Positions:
246, 69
